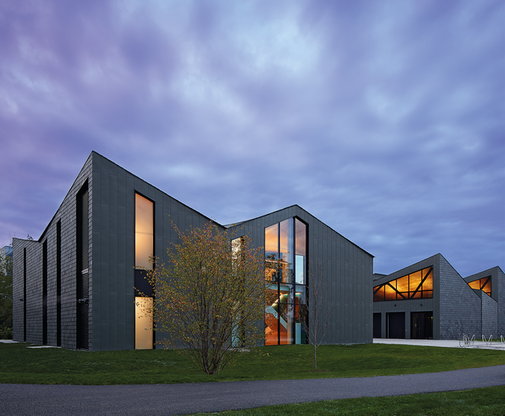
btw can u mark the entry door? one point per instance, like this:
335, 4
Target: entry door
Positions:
421, 325
396, 325
377, 330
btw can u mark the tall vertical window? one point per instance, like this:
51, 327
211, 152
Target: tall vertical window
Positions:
24, 294
82, 241
285, 270
44, 293
144, 250
144, 231
143, 323
58, 283
237, 246
300, 251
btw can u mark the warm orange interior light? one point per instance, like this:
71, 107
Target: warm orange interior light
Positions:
475, 284
407, 287
428, 282
379, 294
271, 239
402, 284
415, 280
144, 231
483, 284
487, 287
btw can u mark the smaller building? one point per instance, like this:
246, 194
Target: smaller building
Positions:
429, 299
6, 251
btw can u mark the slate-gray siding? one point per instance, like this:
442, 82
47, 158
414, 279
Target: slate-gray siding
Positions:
460, 306
497, 294
66, 213
457, 308
347, 271
114, 247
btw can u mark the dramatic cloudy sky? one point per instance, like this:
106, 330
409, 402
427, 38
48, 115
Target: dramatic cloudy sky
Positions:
383, 118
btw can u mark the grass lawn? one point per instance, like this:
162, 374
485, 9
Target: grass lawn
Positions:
488, 401
19, 364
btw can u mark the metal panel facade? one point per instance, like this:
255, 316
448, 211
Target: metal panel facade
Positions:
114, 247
347, 272
457, 308
111, 251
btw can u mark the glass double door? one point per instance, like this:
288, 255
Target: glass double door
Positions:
421, 325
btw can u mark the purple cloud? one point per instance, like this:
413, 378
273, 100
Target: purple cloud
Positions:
383, 119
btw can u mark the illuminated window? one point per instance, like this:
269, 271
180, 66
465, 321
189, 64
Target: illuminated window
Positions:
271, 252
285, 269
483, 284
144, 250
143, 323
301, 251
144, 235
412, 286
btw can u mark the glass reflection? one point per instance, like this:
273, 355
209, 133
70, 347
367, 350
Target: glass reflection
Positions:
378, 294
300, 251
286, 250
428, 281
390, 292
271, 252
415, 280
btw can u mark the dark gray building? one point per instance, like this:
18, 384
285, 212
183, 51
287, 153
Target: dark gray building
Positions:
74, 286
429, 299
308, 250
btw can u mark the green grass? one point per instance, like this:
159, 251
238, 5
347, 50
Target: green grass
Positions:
19, 364
487, 401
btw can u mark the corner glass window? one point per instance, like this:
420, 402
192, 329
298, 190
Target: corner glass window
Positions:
285, 270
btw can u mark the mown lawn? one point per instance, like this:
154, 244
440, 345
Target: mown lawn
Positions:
488, 401
19, 364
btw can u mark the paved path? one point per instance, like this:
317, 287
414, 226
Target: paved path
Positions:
442, 343
176, 399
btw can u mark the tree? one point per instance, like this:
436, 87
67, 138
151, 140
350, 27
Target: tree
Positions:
209, 298
316, 315
5, 297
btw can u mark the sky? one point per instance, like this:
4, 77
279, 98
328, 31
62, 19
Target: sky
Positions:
385, 119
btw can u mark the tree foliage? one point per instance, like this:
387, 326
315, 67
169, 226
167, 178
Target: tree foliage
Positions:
209, 297
5, 297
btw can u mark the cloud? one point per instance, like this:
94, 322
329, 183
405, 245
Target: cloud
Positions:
383, 119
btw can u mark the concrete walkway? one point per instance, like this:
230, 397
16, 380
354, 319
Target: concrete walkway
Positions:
496, 345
